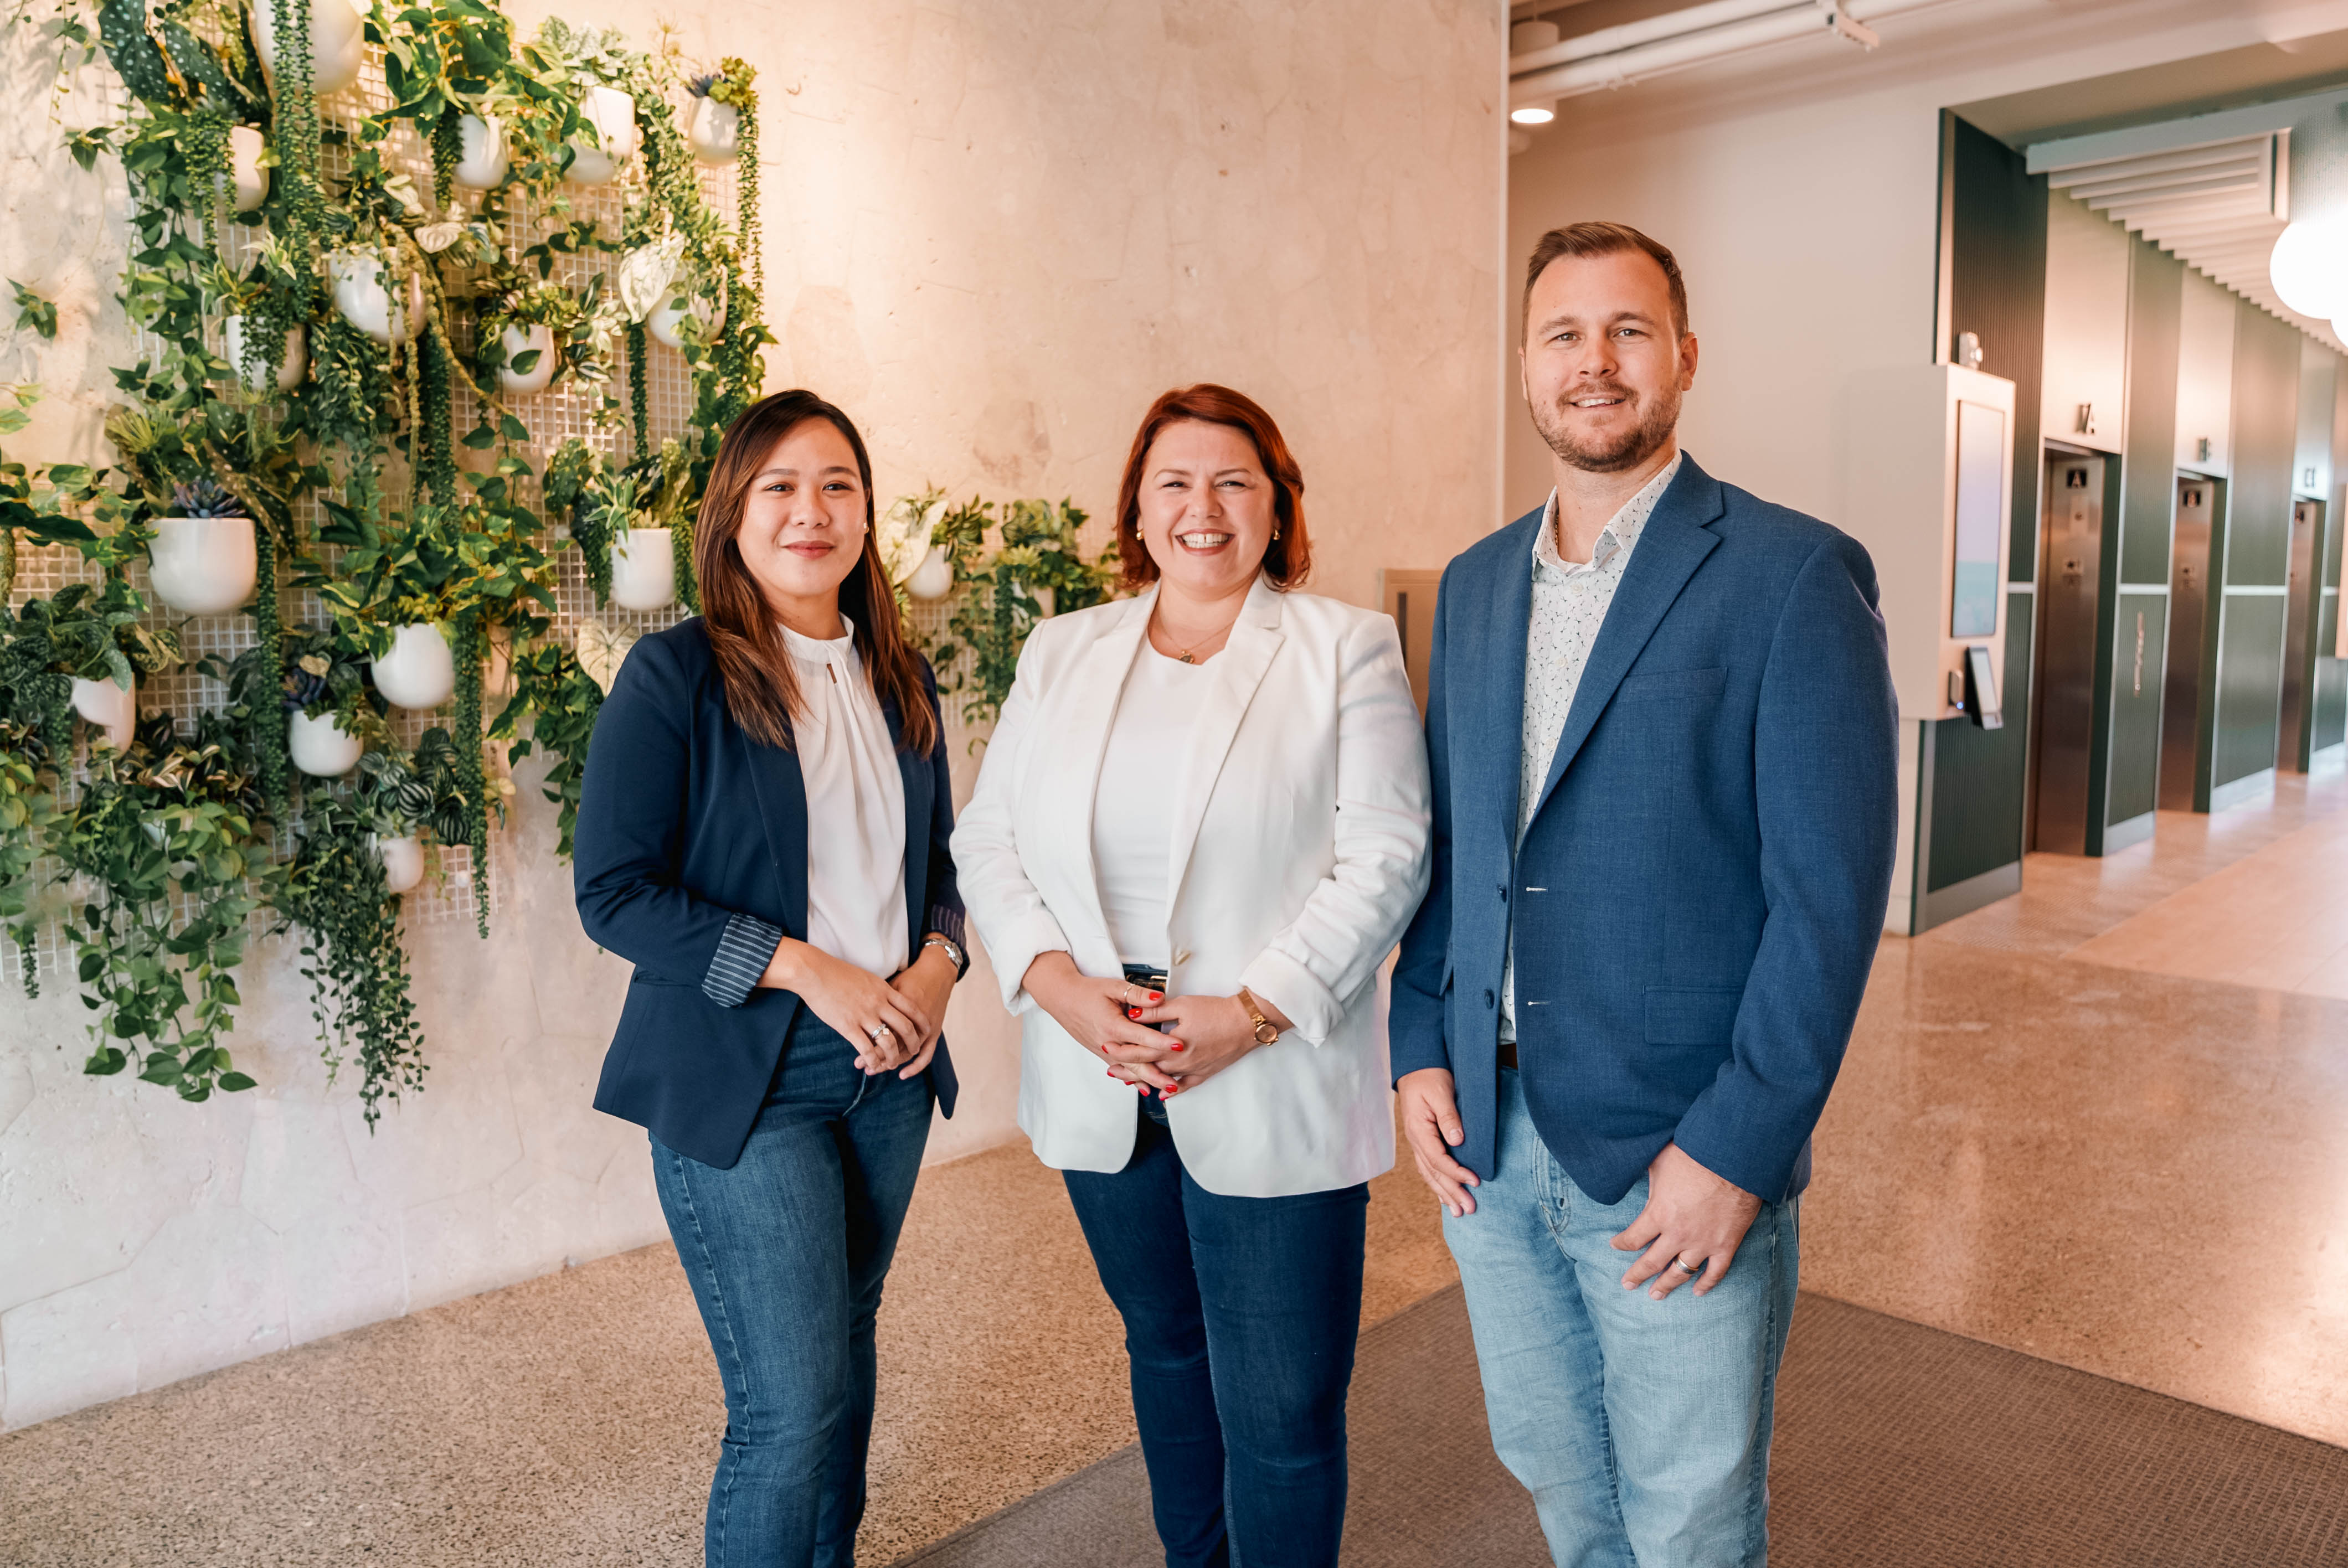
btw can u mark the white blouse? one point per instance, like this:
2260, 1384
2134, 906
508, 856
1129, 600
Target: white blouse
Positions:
855, 807
1141, 778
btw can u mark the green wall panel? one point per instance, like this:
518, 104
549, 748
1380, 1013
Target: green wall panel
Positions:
2149, 502
2142, 635
1976, 821
2266, 439
2249, 687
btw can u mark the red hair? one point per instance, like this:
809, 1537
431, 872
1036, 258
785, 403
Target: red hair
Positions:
1288, 560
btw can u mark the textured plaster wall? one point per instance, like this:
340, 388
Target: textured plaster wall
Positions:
993, 233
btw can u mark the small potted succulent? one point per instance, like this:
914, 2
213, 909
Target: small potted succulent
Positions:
337, 42
203, 560
329, 719
713, 126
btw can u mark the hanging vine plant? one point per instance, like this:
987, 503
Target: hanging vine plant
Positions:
349, 919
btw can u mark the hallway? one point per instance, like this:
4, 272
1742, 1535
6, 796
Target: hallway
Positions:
2098, 1123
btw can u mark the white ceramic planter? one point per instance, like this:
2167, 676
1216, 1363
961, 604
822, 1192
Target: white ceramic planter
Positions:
365, 303
337, 42
291, 369
667, 323
320, 746
481, 157
109, 707
420, 671
403, 862
248, 179
519, 340
933, 579
643, 569
202, 566
714, 131
613, 113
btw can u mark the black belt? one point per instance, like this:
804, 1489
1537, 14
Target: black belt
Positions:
1508, 1054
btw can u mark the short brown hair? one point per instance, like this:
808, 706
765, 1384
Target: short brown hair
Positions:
1583, 240
1288, 560
754, 665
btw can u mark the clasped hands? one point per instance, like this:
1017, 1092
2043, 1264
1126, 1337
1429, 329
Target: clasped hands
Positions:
911, 1005
1112, 1019
1690, 1212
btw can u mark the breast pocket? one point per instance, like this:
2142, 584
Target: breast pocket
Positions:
1684, 686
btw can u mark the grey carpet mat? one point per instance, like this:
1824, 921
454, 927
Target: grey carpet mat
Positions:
1897, 1444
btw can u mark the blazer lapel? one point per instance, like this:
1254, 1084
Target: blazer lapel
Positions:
781, 793
1672, 546
1485, 763
915, 772
1074, 725
1236, 673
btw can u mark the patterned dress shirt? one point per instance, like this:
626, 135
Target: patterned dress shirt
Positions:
1570, 603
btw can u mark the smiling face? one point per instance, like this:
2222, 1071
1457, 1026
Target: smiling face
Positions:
803, 526
1605, 363
1207, 509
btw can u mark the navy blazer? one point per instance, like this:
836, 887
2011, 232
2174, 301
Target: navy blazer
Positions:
687, 827
1699, 895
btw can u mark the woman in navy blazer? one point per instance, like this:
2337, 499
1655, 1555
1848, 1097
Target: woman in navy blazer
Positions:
764, 832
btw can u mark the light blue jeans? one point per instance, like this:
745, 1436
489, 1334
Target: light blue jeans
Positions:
1641, 1427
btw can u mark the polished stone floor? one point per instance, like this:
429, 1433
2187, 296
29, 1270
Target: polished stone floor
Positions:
2105, 1122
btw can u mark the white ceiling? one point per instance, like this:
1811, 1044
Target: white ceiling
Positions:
2213, 190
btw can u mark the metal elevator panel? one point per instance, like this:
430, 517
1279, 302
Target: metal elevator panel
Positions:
2300, 615
2189, 609
2070, 568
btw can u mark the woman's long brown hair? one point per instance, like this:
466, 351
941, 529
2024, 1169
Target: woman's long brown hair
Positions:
761, 692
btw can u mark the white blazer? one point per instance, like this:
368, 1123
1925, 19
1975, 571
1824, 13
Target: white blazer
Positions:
1298, 852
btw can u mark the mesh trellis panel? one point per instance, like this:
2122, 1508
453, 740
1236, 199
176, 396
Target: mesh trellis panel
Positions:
563, 411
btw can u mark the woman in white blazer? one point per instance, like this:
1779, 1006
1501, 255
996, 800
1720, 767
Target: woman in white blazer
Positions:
1201, 827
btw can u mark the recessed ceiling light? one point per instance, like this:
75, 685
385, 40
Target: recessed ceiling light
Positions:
1533, 114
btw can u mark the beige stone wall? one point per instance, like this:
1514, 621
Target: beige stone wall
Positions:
993, 233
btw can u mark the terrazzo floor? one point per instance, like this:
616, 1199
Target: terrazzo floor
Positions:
2069, 1124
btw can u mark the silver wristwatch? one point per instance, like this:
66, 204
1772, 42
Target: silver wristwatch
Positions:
953, 950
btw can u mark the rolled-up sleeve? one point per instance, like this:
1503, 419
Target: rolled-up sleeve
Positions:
743, 954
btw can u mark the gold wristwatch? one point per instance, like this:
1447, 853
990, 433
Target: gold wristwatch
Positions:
1266, 1032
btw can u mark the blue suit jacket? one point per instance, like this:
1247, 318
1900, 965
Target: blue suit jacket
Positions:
1699, 895
686, 821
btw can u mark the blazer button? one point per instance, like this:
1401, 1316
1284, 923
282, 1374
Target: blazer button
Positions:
1504, 892
1488, 999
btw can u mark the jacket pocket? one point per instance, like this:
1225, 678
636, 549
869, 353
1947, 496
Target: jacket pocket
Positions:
1664, 685
1691, 1015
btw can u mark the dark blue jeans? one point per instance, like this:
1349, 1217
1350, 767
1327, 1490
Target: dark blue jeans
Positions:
1240, 1320
786, 1252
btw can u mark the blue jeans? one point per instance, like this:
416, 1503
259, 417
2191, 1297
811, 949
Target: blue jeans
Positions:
1240, 1320
786, 1252
1641, 1427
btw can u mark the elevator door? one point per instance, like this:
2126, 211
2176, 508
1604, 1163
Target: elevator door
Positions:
2299, 614
2188, 606
2071, 564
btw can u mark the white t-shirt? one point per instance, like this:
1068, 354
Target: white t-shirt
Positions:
856, 808
1133, 808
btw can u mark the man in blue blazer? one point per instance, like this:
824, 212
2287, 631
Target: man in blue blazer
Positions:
1663, 731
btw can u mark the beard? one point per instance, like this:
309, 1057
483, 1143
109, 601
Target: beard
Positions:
1657, 419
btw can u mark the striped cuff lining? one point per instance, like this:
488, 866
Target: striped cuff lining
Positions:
742, 957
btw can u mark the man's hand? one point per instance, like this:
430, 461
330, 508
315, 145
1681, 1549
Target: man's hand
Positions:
1691, 1214
1430, 1121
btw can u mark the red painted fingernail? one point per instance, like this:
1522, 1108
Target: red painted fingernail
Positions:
1133, 1012
1180, 1046
1157, 996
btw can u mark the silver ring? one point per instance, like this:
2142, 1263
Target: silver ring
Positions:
883, 1032
1682, 1264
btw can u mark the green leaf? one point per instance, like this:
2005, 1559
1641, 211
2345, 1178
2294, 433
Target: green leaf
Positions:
231, 1083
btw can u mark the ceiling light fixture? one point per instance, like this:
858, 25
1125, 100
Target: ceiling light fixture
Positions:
2309, 267
1534, 114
